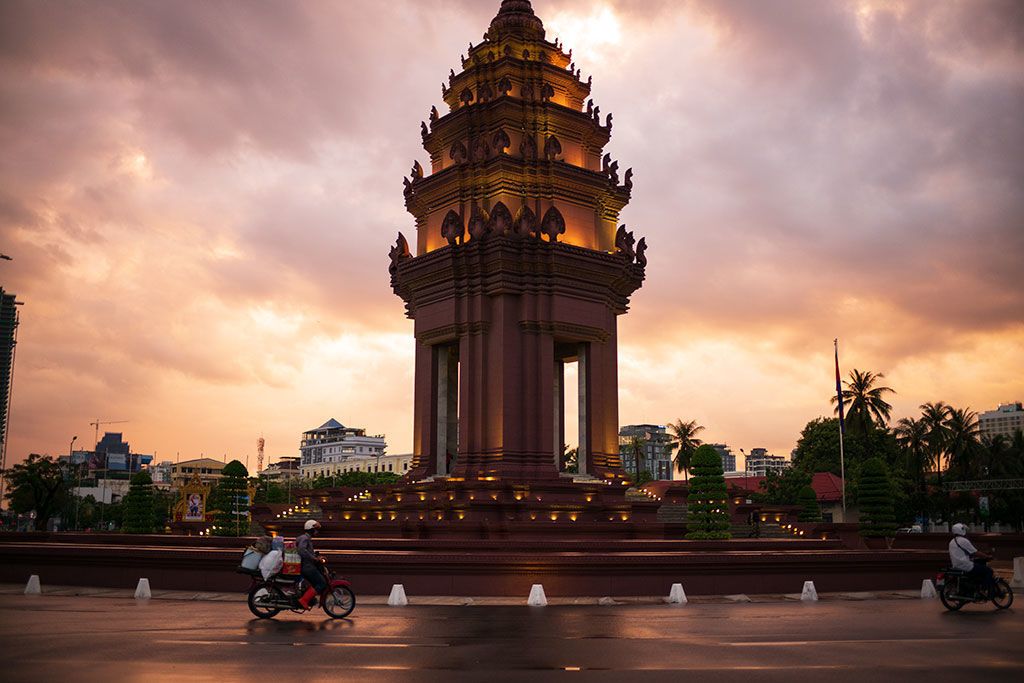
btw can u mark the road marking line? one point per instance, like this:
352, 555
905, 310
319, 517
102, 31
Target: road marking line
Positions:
264, 643
870, 641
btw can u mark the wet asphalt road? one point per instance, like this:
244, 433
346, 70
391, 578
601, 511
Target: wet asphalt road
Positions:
50, 638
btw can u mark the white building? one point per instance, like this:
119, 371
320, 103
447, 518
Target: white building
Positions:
1006, 419
332, 446
760, 462
162, 474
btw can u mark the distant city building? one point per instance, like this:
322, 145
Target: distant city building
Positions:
330, 447
1007, 419
113, 453
8, 339
287, 467
657, 453
727, 456
162, 473
760, 462
111, 459
208, 470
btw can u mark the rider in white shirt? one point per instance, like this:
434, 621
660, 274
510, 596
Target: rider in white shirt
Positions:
965, 557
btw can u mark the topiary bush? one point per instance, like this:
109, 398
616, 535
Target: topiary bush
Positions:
708, 503
231, 518
876, 497
810, 511
138, 505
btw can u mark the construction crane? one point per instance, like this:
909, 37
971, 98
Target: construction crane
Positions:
99, 422
259, 454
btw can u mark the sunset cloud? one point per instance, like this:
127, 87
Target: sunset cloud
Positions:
200, 198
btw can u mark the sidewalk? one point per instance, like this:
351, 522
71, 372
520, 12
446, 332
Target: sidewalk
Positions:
453, 601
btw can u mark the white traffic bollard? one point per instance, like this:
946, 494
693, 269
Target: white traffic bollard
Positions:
33, 587
537, 597
1018, 572
810, 592
928, 590
677, 596
142, 591
397, 597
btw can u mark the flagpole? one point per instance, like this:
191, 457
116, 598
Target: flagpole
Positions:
842, 458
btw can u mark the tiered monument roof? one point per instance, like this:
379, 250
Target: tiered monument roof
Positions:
520, 152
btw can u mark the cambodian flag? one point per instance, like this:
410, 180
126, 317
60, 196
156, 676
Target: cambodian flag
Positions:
839, 391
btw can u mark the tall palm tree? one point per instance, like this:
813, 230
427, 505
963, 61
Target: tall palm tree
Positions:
964, 442
636, 449
867, 405
912, 436
683, 436
934, 416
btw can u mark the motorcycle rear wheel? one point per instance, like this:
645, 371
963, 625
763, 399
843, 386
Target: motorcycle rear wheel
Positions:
257, 597
1007, 599
339, 603
948, 601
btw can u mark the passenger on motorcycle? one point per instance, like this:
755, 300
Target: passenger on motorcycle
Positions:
965, 557
310, 563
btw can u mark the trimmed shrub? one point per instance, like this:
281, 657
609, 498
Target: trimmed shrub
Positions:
810, 511
708, 502
138, 505
232, 516
876, 497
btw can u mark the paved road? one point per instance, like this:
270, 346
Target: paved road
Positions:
49, 638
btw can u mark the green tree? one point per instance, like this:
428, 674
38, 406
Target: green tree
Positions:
876, 497
138, 505
683, 439
708, 504
37, 484
271, 492
810, 511
229, 500
817, 449
783, 488
865, 403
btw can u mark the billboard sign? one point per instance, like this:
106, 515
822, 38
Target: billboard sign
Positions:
117, 461
195, 510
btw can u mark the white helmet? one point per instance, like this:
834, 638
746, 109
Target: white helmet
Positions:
959, 530
311, 524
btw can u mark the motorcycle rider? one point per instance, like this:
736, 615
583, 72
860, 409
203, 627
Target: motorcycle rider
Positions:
965, 557
311, 562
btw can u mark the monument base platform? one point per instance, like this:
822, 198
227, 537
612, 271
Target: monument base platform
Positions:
481, 568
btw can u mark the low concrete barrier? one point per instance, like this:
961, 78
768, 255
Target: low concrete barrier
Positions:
486, 572
397, 597
537, 597
676, 595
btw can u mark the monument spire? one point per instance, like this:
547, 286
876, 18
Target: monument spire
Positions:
516, 17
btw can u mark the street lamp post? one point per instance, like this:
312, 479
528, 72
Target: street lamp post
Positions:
71, 458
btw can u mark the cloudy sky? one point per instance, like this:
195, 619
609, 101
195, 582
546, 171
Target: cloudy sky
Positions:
199, 198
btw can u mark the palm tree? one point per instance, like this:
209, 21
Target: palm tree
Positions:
934, 416
868, 407
912, 436
964, 441
636, 449
683, 436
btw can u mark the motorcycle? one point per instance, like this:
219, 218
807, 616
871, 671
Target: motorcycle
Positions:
268, 597
957, 589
